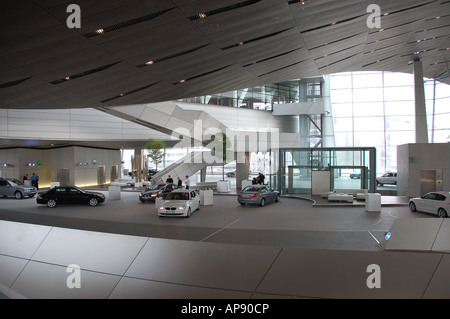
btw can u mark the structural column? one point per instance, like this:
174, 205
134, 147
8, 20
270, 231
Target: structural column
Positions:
242, 168
419, 99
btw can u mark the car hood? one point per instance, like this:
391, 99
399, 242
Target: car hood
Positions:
28, 188
95, 193
151, 192
175, 203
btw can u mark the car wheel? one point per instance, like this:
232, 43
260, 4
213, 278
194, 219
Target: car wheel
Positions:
442, 213
278, 198
93, 201
18, 195
51, 203
263, 202
412, 207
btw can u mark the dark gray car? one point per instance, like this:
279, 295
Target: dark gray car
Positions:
258, 195
15, 188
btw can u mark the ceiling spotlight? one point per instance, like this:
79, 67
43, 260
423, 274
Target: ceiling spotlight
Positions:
202, 15
67, 78
149, 62
182, 81
99, 31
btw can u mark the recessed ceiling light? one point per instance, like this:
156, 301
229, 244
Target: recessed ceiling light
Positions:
182, 81
202, 15
99, 31
67, 78
149, 62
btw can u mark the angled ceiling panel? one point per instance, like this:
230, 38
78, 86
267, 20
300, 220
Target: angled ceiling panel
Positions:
147, 47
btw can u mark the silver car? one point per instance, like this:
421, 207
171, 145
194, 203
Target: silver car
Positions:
258, 195
179, 203
15, 188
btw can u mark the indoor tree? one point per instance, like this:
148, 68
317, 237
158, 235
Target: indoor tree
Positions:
155, 147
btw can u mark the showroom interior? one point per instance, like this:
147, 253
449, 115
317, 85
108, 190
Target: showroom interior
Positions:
329, 100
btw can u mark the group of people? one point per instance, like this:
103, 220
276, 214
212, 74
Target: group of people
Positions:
187, 182
259, 179
34, 180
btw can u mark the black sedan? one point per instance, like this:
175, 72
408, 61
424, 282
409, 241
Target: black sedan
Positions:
157, 190
258, 195
69, 195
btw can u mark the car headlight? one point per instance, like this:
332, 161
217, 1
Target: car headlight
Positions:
161, 207
154, 195
182, 207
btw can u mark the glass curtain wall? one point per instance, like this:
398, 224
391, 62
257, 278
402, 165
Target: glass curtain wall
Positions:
377, 109
265, 96
349, 168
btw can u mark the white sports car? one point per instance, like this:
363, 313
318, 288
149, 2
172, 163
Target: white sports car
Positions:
179, 203
433, 202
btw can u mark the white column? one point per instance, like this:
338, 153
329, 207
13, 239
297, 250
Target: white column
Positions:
419, 98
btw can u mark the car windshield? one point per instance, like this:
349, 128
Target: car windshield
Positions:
178, 196
15, 182
156, 186
251, 189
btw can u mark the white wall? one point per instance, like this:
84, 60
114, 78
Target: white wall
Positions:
412, 158
70, 124
59, 158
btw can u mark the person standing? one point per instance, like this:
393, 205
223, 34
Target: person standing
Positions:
261, 178
180, 182
187, 182
169, 179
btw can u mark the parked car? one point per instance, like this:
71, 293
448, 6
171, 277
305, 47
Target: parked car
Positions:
15, 188
151, 172
231, 174
180, 203
157, 190
69, 195
258, 195
388, 178
355, 176
433, 202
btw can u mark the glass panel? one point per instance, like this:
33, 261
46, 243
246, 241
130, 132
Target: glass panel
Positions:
367, 80
343, 124
342, 109
368, 95
364, 124
399, 108
398, 79
341, 96
400, 123
368, 109
341, 81
403, 93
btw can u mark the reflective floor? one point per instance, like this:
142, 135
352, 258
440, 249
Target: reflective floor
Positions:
283, 250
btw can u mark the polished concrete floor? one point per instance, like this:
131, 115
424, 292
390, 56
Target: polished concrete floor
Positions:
289, 249
291, 222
